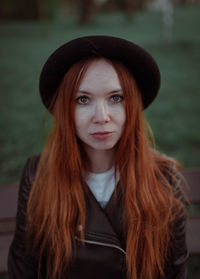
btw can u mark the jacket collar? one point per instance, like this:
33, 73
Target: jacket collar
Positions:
104, 224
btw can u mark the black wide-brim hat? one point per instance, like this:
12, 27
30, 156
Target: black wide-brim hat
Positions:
139, 62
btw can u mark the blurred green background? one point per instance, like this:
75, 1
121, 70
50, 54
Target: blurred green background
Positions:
32, 30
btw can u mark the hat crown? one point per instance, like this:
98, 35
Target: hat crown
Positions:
139, 62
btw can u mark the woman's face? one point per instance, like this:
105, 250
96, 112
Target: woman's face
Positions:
100, 109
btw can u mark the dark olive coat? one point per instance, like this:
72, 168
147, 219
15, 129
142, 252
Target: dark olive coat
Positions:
103, 255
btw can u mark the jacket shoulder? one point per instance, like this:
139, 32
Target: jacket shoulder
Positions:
28, 176
30, 168
171, 170
23, 262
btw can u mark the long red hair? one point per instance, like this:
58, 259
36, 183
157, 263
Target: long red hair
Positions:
56, 204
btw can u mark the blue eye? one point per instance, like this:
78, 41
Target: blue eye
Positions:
82, 100
117, 98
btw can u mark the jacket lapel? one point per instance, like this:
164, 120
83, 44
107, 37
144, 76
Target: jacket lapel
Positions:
104, 225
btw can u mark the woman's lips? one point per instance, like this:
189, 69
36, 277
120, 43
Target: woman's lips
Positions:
101, 135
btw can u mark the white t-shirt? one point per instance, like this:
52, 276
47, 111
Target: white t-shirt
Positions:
102, 185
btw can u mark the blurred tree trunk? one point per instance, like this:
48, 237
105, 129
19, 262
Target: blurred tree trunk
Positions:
42, 9
27, 9
86, 10
32, 9
7, 9
130, 6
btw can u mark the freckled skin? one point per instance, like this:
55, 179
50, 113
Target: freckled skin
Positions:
100, 107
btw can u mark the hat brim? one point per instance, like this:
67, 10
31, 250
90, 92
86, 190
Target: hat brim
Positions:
139, 62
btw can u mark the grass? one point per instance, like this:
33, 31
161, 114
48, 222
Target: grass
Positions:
174, 116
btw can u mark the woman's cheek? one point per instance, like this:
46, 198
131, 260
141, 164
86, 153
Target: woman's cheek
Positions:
119, 112
82, 115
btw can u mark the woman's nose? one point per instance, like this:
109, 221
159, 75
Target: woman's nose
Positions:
101, 113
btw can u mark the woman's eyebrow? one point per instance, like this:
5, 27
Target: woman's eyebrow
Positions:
110, 92
116, 91
84, 92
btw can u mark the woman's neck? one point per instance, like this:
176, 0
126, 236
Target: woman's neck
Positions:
100, 160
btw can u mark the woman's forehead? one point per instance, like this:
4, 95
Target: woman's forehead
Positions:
100, 75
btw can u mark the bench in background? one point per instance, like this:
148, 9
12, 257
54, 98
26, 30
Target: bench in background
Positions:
193, 225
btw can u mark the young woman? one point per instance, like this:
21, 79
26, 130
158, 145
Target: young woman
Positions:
99, 202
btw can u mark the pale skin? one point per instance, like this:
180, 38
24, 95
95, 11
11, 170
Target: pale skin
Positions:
100, 114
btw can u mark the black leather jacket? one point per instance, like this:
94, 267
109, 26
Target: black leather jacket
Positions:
103, 255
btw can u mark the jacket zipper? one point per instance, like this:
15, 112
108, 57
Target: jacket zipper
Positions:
102, 244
